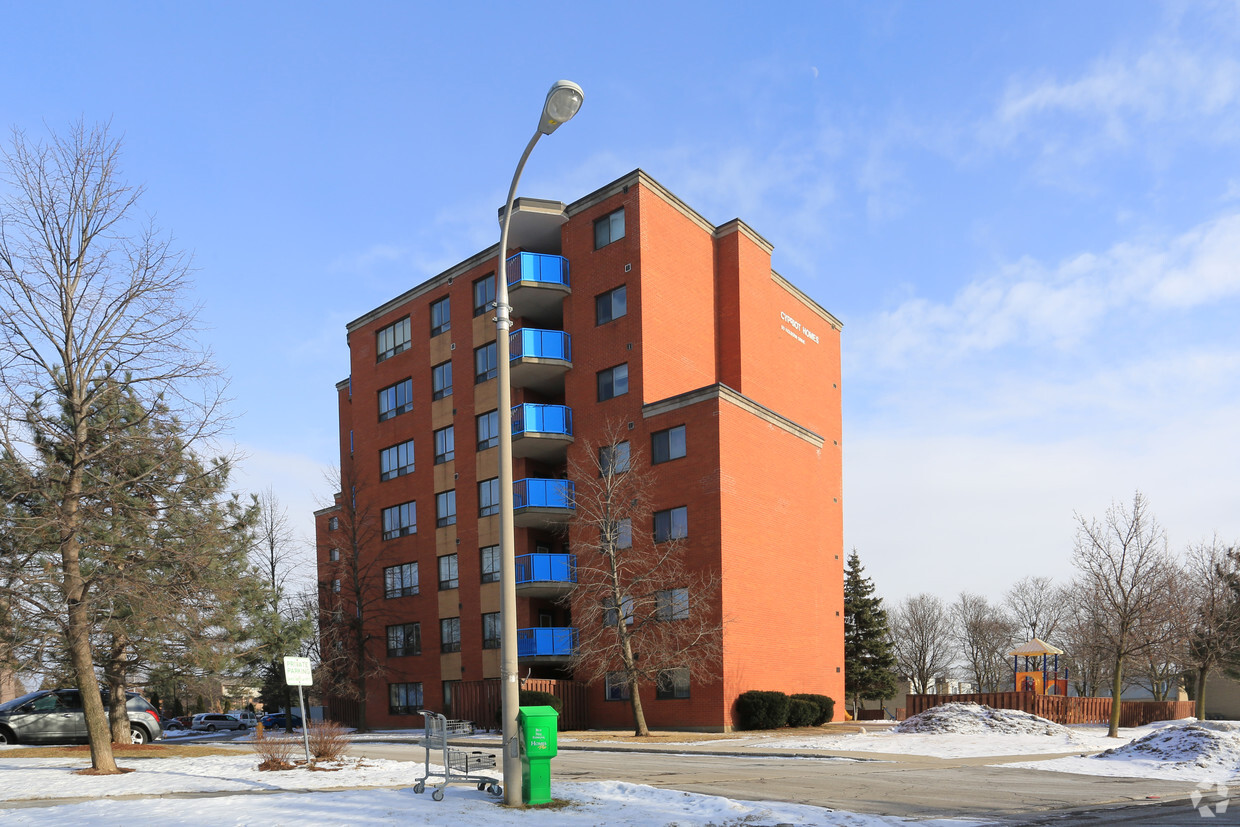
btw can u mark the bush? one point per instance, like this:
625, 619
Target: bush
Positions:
328, 740
530, 697
276, 751
762, 710
826, 706
801, 712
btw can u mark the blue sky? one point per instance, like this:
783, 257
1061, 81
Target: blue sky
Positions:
1028, 218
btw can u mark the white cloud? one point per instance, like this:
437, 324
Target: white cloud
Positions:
1027, 304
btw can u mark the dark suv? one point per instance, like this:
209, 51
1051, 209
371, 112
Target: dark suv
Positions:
55, 716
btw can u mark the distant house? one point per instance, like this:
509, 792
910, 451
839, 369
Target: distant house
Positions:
10, 686
1222, 698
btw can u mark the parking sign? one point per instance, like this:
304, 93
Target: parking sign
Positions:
297, 672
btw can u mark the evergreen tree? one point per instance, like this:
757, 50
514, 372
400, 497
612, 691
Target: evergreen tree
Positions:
869, 663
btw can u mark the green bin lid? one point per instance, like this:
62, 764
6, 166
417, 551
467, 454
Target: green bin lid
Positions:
539, 711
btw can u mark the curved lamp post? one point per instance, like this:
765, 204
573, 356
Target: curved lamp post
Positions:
562, 103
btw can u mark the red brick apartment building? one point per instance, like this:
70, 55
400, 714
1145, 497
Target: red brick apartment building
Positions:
629, 308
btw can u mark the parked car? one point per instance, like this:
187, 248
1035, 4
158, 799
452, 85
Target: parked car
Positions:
244, 716
173, 724
55, 716
212, 721
276, 721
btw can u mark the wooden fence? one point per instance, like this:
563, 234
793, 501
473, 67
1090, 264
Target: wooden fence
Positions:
1062, 709
479, 701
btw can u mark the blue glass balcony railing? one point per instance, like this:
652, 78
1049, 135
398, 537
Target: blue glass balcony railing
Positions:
546, 641
542, 419
536, 268
535, 493
546, 568
541, 344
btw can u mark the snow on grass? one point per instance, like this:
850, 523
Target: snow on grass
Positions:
1184, 751
972, 719
591, 803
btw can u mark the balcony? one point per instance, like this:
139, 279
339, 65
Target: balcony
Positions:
537, 285
538, 502
545, 575
541, 432
540, 358
548, 644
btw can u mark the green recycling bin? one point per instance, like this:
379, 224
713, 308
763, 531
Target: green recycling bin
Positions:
538, 727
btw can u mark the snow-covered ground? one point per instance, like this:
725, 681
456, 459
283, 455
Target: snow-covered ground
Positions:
610, 802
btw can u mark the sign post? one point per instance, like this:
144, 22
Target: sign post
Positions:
297, 673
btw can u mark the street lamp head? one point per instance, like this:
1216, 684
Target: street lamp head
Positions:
562, 103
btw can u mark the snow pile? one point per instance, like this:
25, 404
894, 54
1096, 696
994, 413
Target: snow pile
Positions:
1207, 745
976, 719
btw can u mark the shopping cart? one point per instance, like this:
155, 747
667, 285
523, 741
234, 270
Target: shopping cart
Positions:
459, 766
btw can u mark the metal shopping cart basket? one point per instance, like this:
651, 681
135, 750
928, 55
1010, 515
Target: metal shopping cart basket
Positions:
459, 766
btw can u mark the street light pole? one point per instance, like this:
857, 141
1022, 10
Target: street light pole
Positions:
562, 103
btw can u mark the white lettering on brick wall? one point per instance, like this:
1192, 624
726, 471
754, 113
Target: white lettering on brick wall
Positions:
795, 329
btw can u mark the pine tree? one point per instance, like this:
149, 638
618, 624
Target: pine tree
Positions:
869, 663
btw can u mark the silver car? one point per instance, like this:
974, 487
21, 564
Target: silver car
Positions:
55, 716
212, 721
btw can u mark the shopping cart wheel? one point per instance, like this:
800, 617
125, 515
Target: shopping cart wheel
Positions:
482, 785
495, 790
419, 788
437, 795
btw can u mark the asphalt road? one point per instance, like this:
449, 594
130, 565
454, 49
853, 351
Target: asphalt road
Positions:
907, 786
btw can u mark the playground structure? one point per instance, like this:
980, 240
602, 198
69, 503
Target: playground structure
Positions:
1048, 680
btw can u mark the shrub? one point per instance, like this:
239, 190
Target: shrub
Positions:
276, 751
328, 740
530, 697
801, 712
762, 710
826, 706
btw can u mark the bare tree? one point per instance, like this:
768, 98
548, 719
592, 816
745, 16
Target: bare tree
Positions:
351, 599
1038, 605
1085, 651
1214, 623
1130, 582
90, 300
984, 634
921, 630
642, 614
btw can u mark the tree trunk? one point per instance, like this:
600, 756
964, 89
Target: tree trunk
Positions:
635, 698
118, 715
1199, 697
1117, 684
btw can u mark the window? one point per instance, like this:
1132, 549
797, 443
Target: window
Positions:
404, 698
671, 684
611, 305
613, 382
450, 690
400, 581
488, 430
392, 339
490, 564
445, 508
441, 319
484, 294
447, 572
488, 497
333, 523
441, 380
667, 445
396, 399
624, 533
396, 461
609, 228
485, 365
613, 459
336, 585
616, 687
610, 615
672, 524
404, 639
445, 444
490, 630
333, 555
450, 634
400, 520
671, 604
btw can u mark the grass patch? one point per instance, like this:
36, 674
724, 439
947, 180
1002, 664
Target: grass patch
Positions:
119, 750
